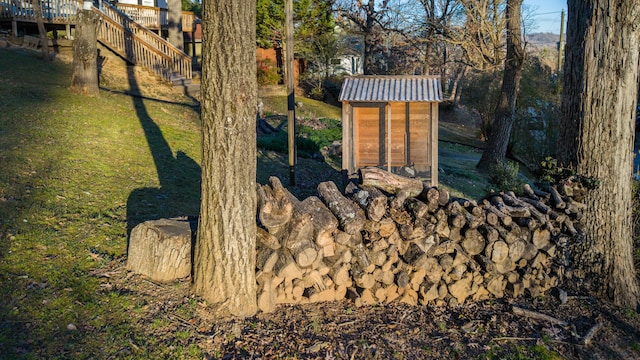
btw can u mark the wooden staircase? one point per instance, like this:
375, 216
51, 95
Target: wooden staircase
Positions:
141, 46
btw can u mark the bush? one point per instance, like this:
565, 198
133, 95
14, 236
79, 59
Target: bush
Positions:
267, 73
278, 142
504, 176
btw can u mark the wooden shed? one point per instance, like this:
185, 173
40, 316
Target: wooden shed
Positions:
391, 122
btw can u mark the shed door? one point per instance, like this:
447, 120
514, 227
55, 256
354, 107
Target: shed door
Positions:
368, 133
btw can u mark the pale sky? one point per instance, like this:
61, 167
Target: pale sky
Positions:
545, 14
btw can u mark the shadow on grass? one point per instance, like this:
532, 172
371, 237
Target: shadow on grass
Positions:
309, 173
179, 175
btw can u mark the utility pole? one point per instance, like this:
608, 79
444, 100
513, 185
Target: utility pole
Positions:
560, 47
291, 103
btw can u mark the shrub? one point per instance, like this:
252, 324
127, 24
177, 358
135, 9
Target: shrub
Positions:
267, 73
504, 176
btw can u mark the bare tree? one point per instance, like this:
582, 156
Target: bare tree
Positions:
369, 21
500, 130
599, 100
42, 31
224, 263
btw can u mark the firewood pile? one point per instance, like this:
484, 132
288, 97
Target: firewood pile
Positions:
391, 238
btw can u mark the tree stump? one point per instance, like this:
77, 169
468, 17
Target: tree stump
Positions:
161, 250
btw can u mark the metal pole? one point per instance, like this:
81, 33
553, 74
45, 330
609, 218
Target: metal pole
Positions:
291, 103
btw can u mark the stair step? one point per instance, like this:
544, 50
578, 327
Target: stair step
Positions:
180, 80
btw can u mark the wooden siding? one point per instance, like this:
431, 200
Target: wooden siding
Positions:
398, 131
367, 136
420, 139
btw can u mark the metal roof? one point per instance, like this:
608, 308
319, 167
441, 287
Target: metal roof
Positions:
405, 88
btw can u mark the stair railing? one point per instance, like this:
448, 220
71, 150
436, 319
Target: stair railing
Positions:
140, 45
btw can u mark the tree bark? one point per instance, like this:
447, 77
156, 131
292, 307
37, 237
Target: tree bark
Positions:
176, 37
596, 138
225, 252
42, 31
85, 54
500, 131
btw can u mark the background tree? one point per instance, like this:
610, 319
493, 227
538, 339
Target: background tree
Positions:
315, 39
368, 20
598, 108
496, 148
194, 6
224, 263
269, 23
84, 79
42, 31
175, 35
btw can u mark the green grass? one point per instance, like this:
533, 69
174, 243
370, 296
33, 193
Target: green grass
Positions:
76, 174
309, 109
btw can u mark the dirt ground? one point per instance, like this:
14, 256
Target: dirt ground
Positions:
340, 330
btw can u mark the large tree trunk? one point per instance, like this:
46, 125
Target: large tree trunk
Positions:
598, 112
370, 42
500, 131
225, 252
176, 37
84, 79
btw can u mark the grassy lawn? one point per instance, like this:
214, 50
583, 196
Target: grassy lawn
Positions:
75, 174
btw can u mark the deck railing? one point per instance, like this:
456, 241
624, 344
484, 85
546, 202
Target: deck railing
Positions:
117, 29
53, 11
154, 17
64, 11
140, 45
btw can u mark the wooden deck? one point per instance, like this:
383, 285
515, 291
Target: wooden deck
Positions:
63, 12
133, 32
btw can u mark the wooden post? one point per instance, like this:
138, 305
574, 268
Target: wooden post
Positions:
434, 144
291, 103
388, 106
560, 48
347, 147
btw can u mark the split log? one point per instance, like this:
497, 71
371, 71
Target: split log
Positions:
529, 192
431, 196
473, 242
266, 239
286, 267
267, 295
323, 220
370, 199
389, 182
298, 239
350, 216
266, 259
274, 207
556, 198
505, 219
417, 208
415, 256
540, 206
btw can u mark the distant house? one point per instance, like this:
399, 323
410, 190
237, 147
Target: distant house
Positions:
391, 122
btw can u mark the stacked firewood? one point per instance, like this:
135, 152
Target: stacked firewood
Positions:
390, 238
